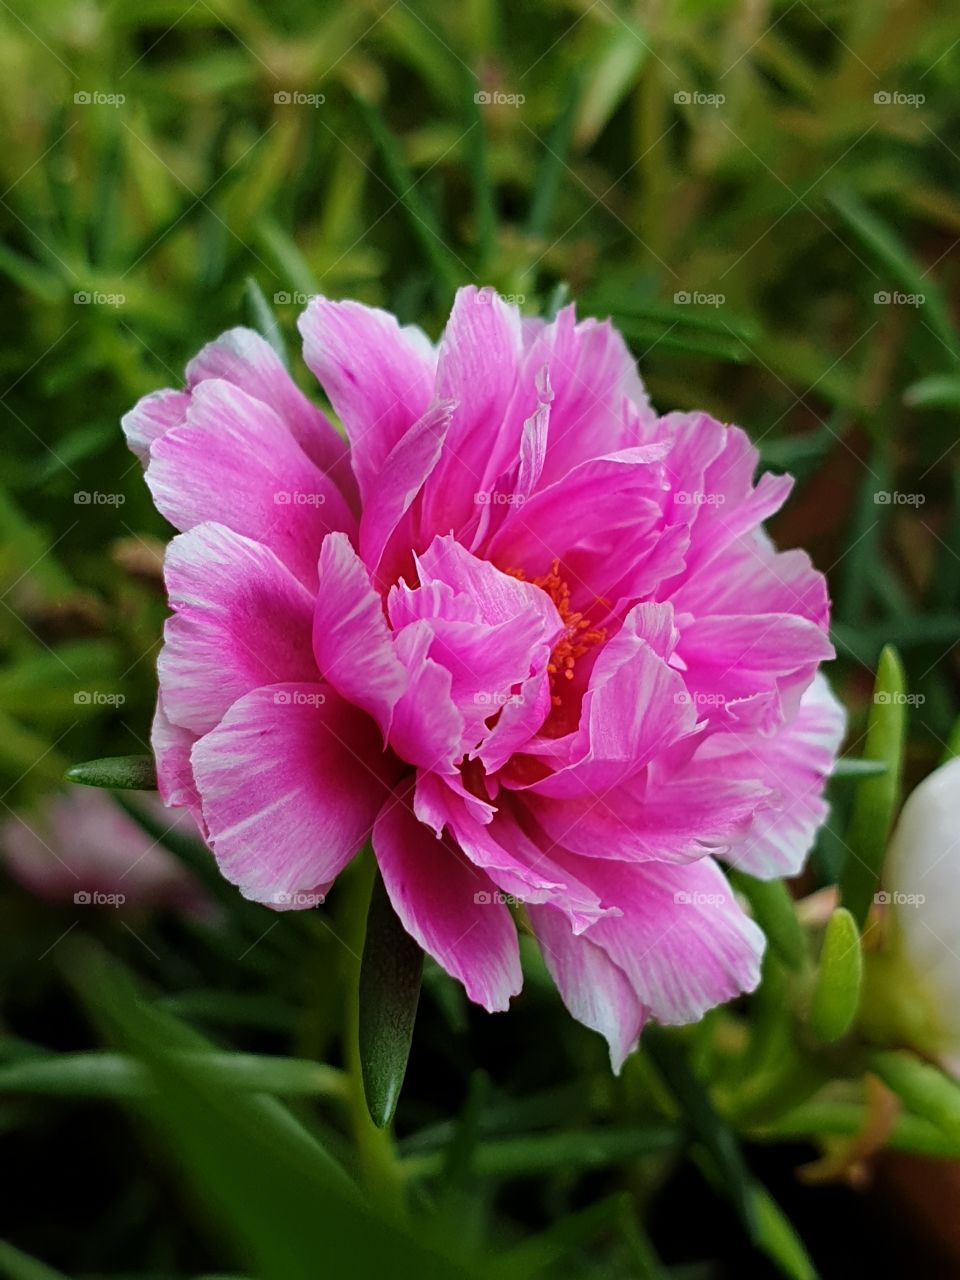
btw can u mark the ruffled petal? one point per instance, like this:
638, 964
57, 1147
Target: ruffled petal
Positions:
683, 941
378, 377
291, 781
794, 764
242, 620
452, 909
235, 462
245, 359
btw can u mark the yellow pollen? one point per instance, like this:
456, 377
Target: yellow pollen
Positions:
579, 634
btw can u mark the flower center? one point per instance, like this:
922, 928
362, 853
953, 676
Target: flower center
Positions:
579, 636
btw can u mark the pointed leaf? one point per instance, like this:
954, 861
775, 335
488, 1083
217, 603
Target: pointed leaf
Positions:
390, 975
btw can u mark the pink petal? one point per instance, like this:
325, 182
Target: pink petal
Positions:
450, 907
171, 746
235, 462
596, 991
392, 491
242, 620
677, 819
152, 417
291, 781
477, 369
515, 863
794, 763
378, 377
245, 359
351, 639
634, 707
683, 941
592, 374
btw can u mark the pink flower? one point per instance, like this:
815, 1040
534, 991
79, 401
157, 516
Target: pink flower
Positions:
81, 848
521, 629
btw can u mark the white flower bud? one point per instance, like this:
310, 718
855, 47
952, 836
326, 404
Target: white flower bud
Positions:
922, 889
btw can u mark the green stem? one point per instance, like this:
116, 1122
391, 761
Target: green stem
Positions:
376, 1152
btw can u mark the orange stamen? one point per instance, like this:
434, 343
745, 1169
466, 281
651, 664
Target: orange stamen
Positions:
579, 635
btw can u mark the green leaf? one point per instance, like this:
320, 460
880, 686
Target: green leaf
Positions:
268, 1184
850, 767
938, 391
423, 224
718, 1138
115, 1075
124, 773
877, 798
778, 1240
894, 255
264, 320
836, 992
390, 975
540, 1153
552, 168
15, 1265
924, 1088
774, 912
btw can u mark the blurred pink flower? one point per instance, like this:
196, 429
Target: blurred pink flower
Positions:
81, 848
518, 627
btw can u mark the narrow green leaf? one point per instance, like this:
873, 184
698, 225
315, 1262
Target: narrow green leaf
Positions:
774, 912
717, 1137
115, 1075
15, 1265
851, 767
877, 798
899, 262
264, 320
420, 215
390, 975
124, 773
552, 168
539, 1153
938, 391
924, 1088
266, 1182
483, 195
836, 992
778, 1240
